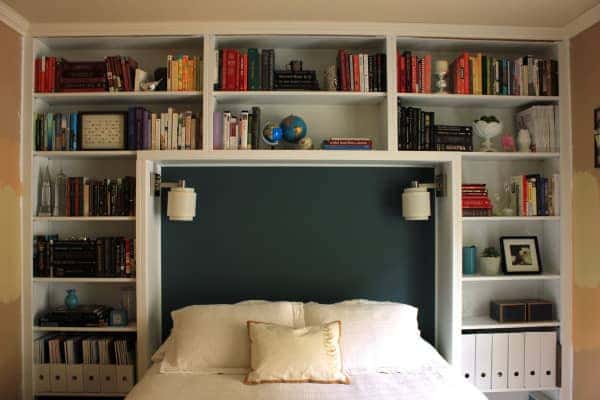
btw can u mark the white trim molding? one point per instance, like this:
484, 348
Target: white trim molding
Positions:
13, 19
583, 22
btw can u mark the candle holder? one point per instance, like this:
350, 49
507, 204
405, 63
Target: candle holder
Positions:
441, 72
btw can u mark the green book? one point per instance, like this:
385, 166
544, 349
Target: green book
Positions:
253, 69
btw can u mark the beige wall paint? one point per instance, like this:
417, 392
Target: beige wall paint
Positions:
10, 198
585, 95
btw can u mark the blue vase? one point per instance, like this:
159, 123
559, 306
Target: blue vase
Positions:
71, 299
469, 260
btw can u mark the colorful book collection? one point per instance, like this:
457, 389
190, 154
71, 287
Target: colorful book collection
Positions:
479, 74
361, 72
57, 131
475, 200
237, 132
85, 197
171, 130
100, 257
535, 195
84, 349
245, 69
347, 143
184, 73
542, 123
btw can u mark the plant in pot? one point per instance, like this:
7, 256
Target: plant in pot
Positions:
489, 262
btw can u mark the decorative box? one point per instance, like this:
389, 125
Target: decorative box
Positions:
508, 310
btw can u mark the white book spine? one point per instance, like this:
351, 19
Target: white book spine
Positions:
243, 128
233, 134
169, 127
361, 73
174, 131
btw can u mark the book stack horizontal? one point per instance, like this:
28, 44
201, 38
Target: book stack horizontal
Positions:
361, 72
414, 73
184, 73
100, 257
475, 200
452, 138
347, 143
236, 132
245, 69
171, 130
535, 195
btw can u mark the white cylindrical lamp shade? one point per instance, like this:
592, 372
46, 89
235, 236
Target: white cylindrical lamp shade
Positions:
181, 204
415, 204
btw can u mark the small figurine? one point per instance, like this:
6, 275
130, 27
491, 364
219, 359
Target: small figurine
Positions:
508, 143
149, 86
524, 141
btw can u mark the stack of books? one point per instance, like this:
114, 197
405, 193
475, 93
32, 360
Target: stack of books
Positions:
171, 130
57, 131
453, 138
542, 123
347, 143
120, 73
535, 195
103, 256
361, 72
236, 132
45, 74
184, 73
83, 315
415, 129
414, 73
475, 200
296, 80
245, 69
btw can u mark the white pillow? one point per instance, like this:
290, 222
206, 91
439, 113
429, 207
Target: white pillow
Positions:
214, 338
283, 354
378, 336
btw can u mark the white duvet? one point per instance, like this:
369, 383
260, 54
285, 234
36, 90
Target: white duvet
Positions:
432, 379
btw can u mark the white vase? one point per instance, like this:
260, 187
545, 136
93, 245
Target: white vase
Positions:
524, 141
489, 265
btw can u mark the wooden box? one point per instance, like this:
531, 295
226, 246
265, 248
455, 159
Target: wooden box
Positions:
508, 310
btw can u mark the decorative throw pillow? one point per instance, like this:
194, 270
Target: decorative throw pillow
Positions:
283, 354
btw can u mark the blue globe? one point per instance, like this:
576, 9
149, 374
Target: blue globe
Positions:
294, 128
272, 134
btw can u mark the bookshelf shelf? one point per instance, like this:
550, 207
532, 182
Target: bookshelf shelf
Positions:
122, 98
80, 394
510, 219
300, 97
481, 101
485, 322
509, 278
103, 329
84, 280
85, 219
499, 156
85, 155
516, 390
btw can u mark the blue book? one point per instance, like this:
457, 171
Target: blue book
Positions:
145, 130
74, 127
131, 145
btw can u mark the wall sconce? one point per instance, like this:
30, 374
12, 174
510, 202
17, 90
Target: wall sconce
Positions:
416, 205
181, 200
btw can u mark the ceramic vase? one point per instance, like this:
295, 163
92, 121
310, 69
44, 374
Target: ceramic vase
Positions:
71, 299
524, 141
489, 265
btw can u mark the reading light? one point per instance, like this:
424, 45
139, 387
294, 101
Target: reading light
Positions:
416, 205
181, 200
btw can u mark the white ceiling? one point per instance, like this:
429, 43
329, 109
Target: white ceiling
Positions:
532, 13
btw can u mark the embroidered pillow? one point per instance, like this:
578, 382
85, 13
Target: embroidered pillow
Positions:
284, 354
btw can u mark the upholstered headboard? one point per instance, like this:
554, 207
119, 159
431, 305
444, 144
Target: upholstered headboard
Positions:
320, 234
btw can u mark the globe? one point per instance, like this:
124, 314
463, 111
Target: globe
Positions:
272, 134
294, 128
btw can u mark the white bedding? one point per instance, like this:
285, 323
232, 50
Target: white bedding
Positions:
433, 380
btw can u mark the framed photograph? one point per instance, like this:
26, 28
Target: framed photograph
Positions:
103, 130
520, 255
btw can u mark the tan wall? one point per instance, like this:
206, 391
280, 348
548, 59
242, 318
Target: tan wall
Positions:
10, 196
585, 92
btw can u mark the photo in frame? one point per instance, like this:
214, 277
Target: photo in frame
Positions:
597, 138
520, 255
103, 130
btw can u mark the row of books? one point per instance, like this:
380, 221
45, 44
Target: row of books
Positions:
84, 349
347, 143
236, 132
361, 72
171, 130
417, 131
543, 125
100, 257
413, 73
535, 195
475, 200
57, 131
245, 69
184, 73
83, 197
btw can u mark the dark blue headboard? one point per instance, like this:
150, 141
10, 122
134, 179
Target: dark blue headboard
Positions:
320, 234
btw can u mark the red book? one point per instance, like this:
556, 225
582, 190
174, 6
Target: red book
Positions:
52, 74
467, 74
461, 75
38, 72
402, 74
223, 65
244, 72
524, 197
343, 73
44, 75
398, 72
427, 77
231, 69
77, 189
356, 72
349, 142
68, 197
413, 74
126, 77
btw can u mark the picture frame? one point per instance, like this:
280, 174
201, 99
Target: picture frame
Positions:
520, 255
103, 130
597, 138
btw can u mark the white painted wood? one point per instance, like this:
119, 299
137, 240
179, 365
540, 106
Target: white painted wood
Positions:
498, 156
469, 100
13, 19
523, 390
112, 98
511, 219
583, 22
484, 278
87, 219
80, 394
485, 322
85, 155
84, 280
299, 97
105, 329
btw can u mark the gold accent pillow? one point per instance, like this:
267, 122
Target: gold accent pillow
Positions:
283, 354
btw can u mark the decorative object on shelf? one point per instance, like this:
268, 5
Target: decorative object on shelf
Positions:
103, 130
524, 141
45, 203
181, 200
149, 86
469, 260
489, 262
118, 317
305, 143
128, 302
295, 65
331, 79
487, 127
415, 198
140, 77
508, 143
502, 202
60, 191
295, 78
272, 134
520, 255
441, 72
597, 138
294, 128
71, 299
506, 311
540, 310
160, 74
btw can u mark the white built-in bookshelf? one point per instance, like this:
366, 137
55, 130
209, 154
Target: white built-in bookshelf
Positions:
461, 302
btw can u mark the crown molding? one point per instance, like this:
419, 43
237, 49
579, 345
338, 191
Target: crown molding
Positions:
583, 22
13, 19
